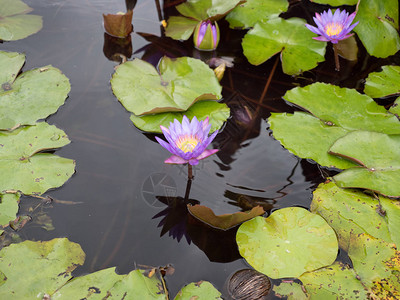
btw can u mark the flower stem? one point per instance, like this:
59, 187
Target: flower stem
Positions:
189, 182
336, 54
190, 172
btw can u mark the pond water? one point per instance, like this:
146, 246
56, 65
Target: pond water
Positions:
120, 170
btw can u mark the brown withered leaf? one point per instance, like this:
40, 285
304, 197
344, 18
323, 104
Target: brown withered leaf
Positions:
119, 24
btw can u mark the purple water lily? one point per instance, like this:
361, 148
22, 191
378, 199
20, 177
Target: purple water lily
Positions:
206, 35
333, 27
187, 141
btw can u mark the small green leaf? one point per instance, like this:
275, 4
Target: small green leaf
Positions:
178, 85
32, 96
207, 9
288, 243
337, 281
218, 113
384, 83
252, 11
291, 290
33, 269
379, 23
180, 28
378, 156
202, 290
33, 172
15, 24
299, 51
8, 208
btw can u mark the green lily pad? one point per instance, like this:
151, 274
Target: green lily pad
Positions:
379, 23
290, 290
377, 264
252, 11
384, 83
336, 2
378, 157
202, 290
225, 221
32, 96
299, 52
340, 111
33, 269
308, 137
194, 11
288, 243
8, 208
178, 85
351, 212
23, 169
337, 281
15, 24
218, 113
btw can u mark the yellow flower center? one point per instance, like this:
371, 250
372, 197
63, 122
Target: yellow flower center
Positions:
187, 143
333, 29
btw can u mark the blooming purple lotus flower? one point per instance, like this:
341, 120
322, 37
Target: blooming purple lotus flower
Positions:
333, 27
206, 35
187, 141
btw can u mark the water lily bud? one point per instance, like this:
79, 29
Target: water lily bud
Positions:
206, 36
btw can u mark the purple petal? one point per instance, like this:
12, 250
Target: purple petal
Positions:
321, 38
193, 161
175, 160
214, 35
201, 33
164, 129
207, 153
352, 27
313, 29
210, 139
165, 145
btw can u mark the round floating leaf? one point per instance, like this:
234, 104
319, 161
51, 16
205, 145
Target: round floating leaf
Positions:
308, 137
337, 281
8, 208
15, 24
379, 22
202, 290
336, 2
33, 95
299, 51
226, 221
33, 269
180, 83
351, 212
23, 169
339, 111
348, 48
384, 83
377, 264
252, 11
291, 290
288, 243
218, 113
378, 154
180, 28
203, 10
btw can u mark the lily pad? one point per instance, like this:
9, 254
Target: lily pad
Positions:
8, 208
23, 169
202, 290
384, 83
33, 269
288, 243
33, 95
351, 212
378, 157
15, 24
377, 264
178, 85
194, 11
337, 281
299, 52
290, 290
252, 11
226, 221
340, 111
218, 113
336, 2
379, 23
395, 109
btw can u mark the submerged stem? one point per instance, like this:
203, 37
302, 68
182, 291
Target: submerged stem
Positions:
189, 183
336, 54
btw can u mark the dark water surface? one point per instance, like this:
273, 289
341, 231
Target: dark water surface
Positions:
120, 171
